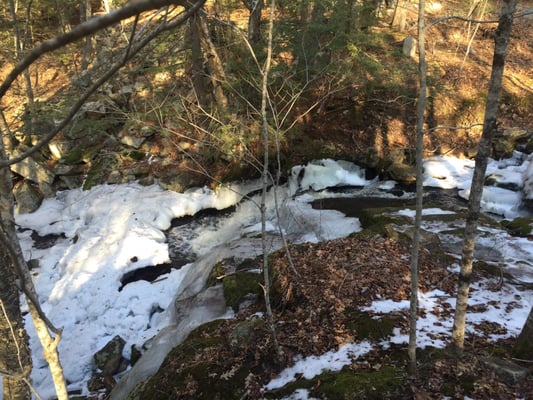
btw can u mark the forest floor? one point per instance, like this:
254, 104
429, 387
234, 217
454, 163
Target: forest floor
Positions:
316, 303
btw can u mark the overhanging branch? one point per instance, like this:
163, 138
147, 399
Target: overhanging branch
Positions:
88, 28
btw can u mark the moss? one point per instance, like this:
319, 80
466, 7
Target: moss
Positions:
238, 285
521, 226
75, 156
376, 218
135, 155
378, 384
366, 326
98, 170
384, 383
170, 375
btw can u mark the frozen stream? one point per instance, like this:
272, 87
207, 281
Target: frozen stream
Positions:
103, 234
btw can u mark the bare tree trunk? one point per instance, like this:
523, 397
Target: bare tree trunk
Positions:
20, 45
399, 17
206, 63
15, 355
198, 70
85, 15
422, 74
489, 130
9, 241
254, 20
108, 6
265, 177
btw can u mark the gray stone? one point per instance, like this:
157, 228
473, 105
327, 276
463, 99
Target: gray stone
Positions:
132, 141
27, 197
109, 359
66, 169
505, 369
69, 182
245, 333
409, 46
32, 170
60, 148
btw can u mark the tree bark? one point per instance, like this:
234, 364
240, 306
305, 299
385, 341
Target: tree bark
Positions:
15, 356
501, 42
254, 20
206, 64
422, 74
265, 178
11, 246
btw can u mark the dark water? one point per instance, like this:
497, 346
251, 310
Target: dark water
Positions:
352, 206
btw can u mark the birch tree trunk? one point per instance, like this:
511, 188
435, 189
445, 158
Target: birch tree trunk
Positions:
422, 74
10, 244
501, 45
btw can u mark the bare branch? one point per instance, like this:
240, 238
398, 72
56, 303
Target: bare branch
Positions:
85, 29
475, 21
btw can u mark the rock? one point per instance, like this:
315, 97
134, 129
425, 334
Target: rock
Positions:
498, 180
32, 170
245, 333
409, 46
507, 370
520, 226
135, 136
109, 359
505, 142
402, 172
60, 148
27, 197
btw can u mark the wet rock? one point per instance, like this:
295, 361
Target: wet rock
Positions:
27, 197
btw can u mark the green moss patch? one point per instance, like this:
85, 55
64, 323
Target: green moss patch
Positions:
520, 226
366, 326
384, 383
238, 285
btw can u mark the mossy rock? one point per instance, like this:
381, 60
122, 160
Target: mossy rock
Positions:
162, 384
521, 226
99, 170
75, 156
240, 284
385, 383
